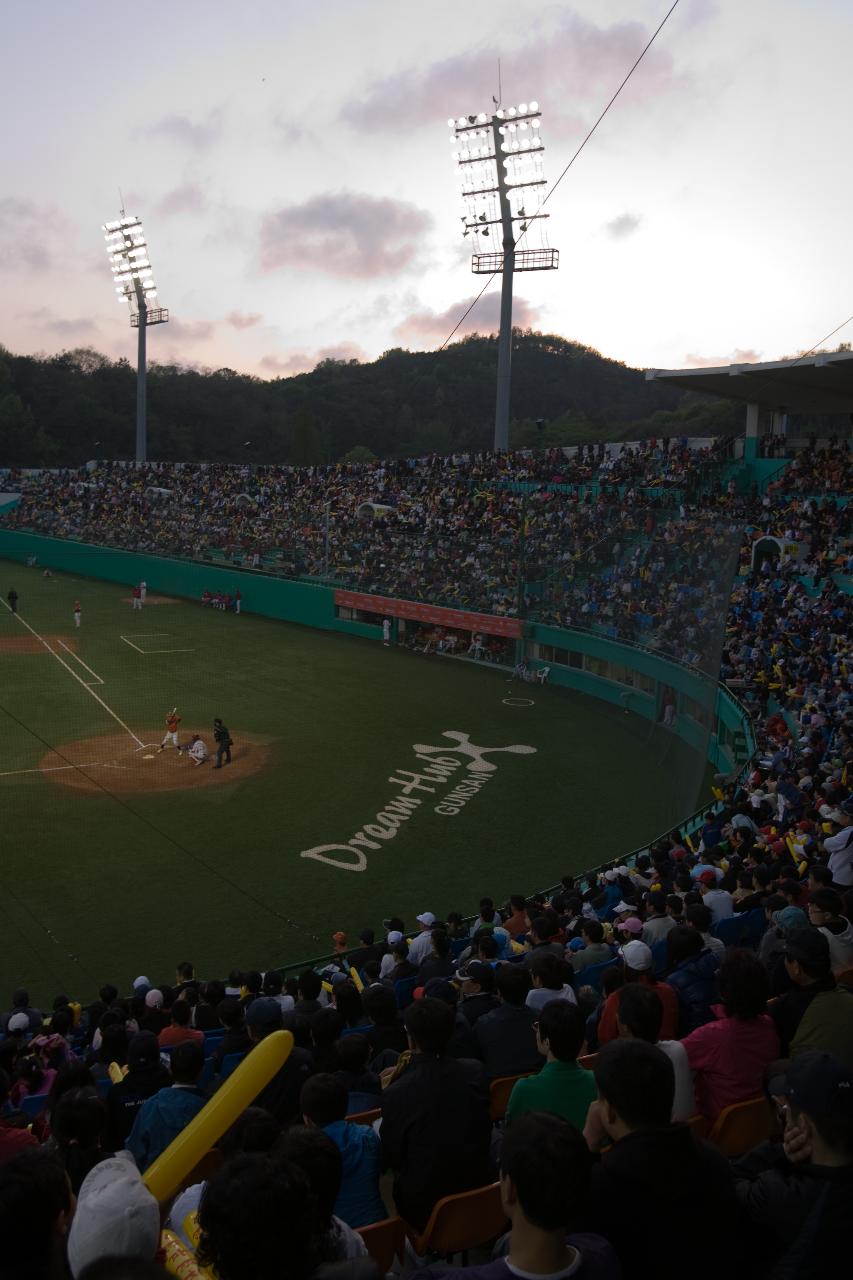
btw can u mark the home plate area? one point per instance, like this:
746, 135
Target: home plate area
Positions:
117, 763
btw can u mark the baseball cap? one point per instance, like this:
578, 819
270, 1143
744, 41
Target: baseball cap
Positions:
633, 924
116, 1215
143, 1049
791, 918
623, 871
18, 1022
623, 906
441, 989
426, 917
141, 982
707, 877
154, 999
475, 971
264, 1014
817, 1083
394, 937
611, 876
637, 956
809, 946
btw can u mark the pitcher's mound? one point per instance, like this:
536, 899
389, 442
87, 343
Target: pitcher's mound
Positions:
116, 763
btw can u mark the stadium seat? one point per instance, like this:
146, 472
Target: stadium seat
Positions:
404, 990
741, 1127
499, 1091
229, 1063
457, 946
356, 1031
659, 957
732, 932
34, 1104
205, 1080
699, 1125
103, 1086
385, 1241
591, 977
365, 1117
461, 1222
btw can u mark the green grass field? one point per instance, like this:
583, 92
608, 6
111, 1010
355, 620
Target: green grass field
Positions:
107, 883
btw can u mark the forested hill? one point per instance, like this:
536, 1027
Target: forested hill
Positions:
64, 409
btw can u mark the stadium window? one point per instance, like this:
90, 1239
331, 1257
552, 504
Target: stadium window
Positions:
576, 660
341, 611
561, 656
597, 666
645, 683
544, 652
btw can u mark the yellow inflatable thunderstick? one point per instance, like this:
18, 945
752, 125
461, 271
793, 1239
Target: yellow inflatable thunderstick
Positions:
234, 1095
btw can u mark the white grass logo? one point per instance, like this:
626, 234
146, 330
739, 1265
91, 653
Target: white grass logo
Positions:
438, 764
467, 748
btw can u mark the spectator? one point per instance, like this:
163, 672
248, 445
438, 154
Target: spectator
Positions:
544, 1177
369, 950
310, 991
548, 974
462, 1043
562, 1086
205, 1016
517, 923
422, 944
116, 1216
478, 987
595, 950
363, 1086
274, 988
540, 939
505, 1040
435, 1117
650, 1155
319, 1159
386, 1031
639, 1016
79, 1124
796, 1195
839, 847
438, 963
185, 978
658, 923
146, 1075
162, 1117
249, 1208
825, 913
155, 1019
236, 1038
718, 901
814, 1013
698, 916
179, 1030
324, 1105
637, 965
21, 1005
15, 1137
36, 1210
693, 977
281, 1095
730, 1055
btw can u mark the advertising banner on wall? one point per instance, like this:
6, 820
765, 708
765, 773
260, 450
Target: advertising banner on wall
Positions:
438, 616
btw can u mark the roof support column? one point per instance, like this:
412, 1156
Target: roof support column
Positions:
750, 444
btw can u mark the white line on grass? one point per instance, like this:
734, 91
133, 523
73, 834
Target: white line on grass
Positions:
82, 663
73, 673
59, 768
132, 645
147, 651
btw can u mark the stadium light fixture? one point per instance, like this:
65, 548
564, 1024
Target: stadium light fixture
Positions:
503, 183
133, 277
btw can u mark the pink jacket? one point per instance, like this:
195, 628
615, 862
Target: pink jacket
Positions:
728, 1058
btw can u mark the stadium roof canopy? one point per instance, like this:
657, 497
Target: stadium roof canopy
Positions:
813, 384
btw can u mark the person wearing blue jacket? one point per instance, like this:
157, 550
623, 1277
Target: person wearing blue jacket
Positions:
692, 974
161, 1118
323, 1102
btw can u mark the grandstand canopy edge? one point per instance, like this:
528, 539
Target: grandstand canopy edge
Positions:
822, 383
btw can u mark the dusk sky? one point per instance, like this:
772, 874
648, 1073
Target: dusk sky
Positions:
292, 167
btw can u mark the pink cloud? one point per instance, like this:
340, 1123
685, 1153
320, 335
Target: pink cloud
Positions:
591, 59
193, 134
191, 330
427, 326
740, 355
79, 327
344, 234
243, 319
188, 198
31, 235
300, 362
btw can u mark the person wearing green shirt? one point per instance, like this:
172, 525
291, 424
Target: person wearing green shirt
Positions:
562, 1086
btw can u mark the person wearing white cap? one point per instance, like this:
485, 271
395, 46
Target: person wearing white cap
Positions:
839, 846
116, 1216
638, 962
388, 961
422, 944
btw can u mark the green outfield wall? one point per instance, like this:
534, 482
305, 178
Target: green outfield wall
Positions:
707, 717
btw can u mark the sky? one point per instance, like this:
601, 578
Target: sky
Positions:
292, 167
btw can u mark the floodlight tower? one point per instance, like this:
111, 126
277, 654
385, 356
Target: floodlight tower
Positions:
134, 282
503, 182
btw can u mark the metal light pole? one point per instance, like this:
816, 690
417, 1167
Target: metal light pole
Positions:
134, 281
500, 177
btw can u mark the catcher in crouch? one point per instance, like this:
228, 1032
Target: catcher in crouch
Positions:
172, 722
197, 751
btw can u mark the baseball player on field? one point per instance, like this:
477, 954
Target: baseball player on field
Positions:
77, 613
197, 751
172, 722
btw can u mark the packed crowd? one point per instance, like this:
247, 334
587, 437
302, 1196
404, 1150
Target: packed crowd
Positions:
715, 973
443, 528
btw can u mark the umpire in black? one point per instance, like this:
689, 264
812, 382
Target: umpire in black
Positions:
223, 743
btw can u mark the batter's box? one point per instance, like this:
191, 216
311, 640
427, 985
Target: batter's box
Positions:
153, 642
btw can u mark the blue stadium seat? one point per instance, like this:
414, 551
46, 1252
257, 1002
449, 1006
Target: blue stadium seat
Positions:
229, 1063
33, 1104
659, 957
732, 932
591, 977
356, 1031
104, 1085
457, 946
